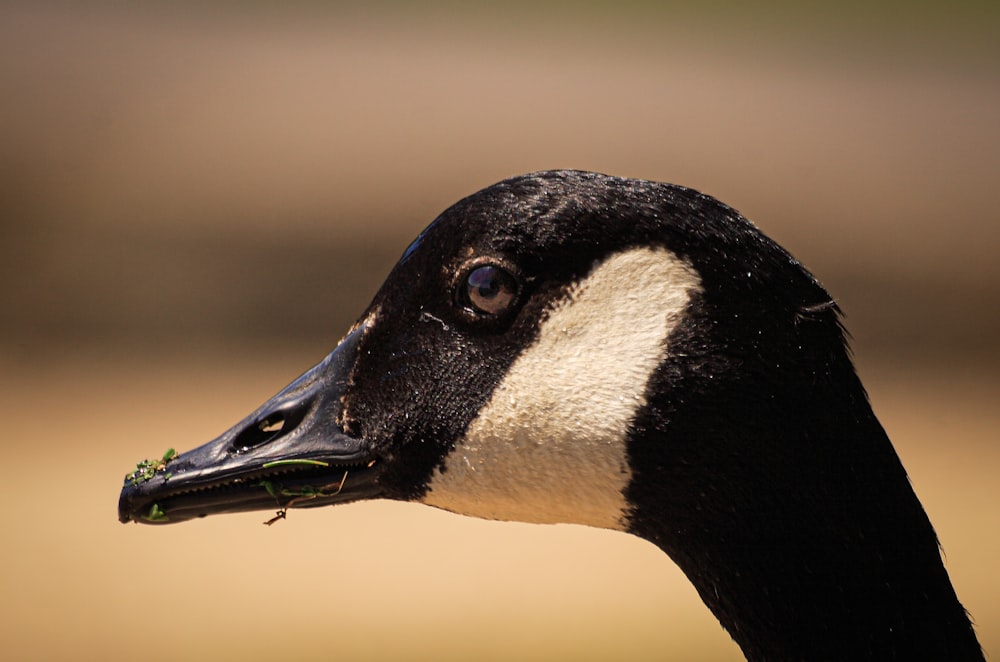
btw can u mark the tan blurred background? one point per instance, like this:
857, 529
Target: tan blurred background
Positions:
197, 199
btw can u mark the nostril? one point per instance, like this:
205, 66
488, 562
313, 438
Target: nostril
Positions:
271, 427
273, 423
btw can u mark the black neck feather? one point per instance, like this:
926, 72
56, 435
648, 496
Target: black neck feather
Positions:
778, 493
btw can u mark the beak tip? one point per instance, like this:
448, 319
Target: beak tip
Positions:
289, 452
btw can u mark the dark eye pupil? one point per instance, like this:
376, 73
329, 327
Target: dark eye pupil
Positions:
490, 289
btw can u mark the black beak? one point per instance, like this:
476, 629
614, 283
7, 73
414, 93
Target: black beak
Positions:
289, 453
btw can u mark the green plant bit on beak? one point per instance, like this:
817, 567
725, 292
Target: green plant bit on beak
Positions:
155, 514
146, 469
285, 463
269, 486
306, 493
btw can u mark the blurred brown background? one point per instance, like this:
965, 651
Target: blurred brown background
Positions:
197, 198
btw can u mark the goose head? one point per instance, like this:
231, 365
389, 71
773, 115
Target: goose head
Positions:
573, 347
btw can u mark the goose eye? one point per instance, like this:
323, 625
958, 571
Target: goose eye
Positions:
490, 290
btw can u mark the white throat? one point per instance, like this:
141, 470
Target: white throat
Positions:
550, 445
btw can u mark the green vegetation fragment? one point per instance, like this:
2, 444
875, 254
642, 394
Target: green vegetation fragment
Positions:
146, 469
269, 486
305, 491
155, 514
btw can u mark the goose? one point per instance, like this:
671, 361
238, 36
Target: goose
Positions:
574, 347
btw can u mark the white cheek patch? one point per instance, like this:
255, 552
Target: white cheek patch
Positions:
549, 446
